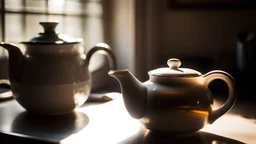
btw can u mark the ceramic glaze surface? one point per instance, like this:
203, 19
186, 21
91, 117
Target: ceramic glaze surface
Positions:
167, 106
51, 99
53, 69
51, 76
174, 100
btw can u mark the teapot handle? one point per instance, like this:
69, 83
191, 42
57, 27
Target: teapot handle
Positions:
102, 47
5, 82
6, 94
229, 80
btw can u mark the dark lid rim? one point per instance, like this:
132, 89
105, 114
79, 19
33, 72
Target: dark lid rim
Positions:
175, 75
50, 43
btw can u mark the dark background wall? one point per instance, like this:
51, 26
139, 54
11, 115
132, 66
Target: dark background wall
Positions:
208, 34
205, 38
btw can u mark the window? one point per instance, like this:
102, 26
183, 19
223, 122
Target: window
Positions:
128, 26
78, 18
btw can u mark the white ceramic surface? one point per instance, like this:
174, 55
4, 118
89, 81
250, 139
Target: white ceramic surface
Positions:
174, 100
51, 99
51, 76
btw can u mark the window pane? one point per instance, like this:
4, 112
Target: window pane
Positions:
36, 6
93, 31
74, 26
56, 6
24, 26
14, 5
93, 9
14, 28
74, 7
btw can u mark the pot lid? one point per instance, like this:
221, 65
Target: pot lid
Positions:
50, 36
174, 70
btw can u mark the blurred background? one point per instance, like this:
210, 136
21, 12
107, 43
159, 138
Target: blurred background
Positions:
204, 34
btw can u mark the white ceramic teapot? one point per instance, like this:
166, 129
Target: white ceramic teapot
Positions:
174, 100
52, 76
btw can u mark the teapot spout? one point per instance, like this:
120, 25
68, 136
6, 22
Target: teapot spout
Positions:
16, 60
133, 91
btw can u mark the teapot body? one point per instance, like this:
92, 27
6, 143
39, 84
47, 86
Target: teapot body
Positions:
174, 100
54, 66
179, 107
53, 79
52, 76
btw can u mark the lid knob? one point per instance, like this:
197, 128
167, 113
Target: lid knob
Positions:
49, 26
174, 63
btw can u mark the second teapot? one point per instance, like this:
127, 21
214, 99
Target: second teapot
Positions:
52, 76
174, 100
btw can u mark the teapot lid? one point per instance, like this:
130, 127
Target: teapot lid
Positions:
174, 70
50, 36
